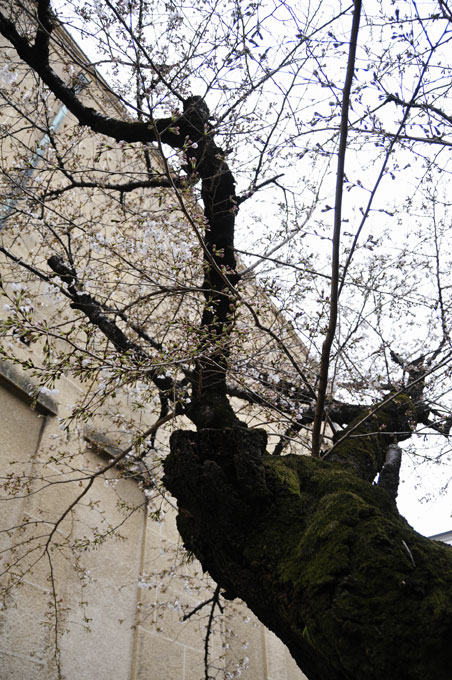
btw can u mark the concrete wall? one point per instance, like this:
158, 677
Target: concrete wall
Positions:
102, 589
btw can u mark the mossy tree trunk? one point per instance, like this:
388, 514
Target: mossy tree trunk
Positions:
318, 552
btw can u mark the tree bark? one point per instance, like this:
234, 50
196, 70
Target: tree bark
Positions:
318, 552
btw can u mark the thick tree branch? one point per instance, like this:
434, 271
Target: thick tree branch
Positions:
98, 316
38, 58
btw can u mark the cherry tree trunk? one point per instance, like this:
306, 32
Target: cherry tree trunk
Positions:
319, 554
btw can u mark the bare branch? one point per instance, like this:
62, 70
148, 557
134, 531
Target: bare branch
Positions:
416, 105
249, 194
123, 188
334, 291
97, 314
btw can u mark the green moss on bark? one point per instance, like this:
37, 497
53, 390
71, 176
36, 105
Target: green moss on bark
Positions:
321, 557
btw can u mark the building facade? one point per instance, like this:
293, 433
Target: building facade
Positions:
95, 580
